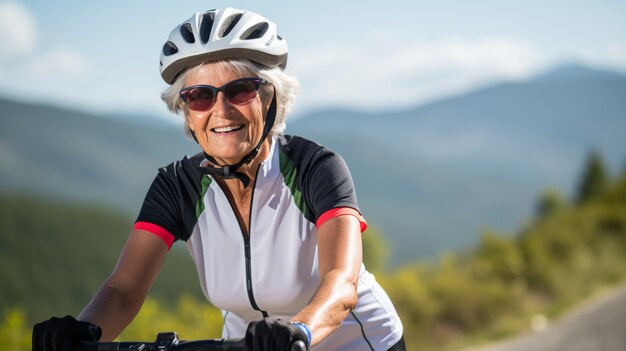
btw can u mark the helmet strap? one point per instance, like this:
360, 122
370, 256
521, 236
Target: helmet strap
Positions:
230, 171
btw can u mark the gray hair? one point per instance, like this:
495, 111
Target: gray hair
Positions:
285, 85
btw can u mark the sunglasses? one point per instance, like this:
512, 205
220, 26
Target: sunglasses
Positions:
239, 91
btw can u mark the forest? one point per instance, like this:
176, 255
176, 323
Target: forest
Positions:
54, 256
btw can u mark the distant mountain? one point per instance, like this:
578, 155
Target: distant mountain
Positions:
430, 177
76, 155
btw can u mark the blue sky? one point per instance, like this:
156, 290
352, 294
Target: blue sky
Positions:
103, 56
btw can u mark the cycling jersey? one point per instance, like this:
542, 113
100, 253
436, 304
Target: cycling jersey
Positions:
273, 271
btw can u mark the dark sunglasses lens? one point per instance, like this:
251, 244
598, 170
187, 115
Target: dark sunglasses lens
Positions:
242, 91
200, 99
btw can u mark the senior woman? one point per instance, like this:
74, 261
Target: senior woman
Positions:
271, 220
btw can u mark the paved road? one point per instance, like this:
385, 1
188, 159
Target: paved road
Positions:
597, 325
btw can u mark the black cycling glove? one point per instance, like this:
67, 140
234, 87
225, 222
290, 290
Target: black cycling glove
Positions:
60, 334
273, 335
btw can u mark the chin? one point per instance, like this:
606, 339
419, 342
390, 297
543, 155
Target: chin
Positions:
225, 150
229, 157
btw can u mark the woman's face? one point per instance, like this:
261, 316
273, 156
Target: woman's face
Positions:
226, 131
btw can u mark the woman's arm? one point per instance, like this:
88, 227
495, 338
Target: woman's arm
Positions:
121, 296
340, 257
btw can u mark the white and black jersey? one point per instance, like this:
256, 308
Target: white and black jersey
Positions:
273, 271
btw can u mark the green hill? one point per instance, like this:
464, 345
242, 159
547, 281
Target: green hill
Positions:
54, 256
86, 157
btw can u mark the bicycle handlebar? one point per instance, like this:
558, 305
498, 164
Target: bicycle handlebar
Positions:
169, 342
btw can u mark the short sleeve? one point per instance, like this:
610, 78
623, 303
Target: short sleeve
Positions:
342, 211
168, 207
330, 189
323, 178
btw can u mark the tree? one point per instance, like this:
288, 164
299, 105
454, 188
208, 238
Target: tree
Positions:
549, 202
594, 179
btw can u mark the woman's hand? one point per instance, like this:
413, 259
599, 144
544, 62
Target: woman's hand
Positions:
61, 334
273, 335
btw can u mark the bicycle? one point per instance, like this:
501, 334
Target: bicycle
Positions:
169, 342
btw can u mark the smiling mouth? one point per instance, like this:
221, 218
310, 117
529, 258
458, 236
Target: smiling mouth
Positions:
228, 129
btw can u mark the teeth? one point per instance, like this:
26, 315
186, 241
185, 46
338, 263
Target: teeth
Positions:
228, 128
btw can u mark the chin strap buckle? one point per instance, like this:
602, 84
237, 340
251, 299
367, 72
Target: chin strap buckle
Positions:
227, 174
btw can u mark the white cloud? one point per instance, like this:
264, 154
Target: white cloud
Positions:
17, 31
377, 72
56, 72
497, 56
60, 63
610, 56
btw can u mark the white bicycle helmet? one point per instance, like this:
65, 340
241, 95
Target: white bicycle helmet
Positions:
222, 34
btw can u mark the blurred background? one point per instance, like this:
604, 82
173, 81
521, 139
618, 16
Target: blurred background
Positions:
486, 140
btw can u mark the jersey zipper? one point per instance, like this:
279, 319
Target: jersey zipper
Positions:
249, 278
246, 243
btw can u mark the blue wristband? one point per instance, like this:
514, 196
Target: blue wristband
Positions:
306, 330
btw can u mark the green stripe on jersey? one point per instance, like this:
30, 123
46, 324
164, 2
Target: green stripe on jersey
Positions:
206, 182
290, 174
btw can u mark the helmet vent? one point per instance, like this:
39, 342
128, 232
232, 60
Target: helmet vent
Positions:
206, 25
255, 32
169, 49
229, 24
185, 31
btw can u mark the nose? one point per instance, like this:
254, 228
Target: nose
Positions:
222, 106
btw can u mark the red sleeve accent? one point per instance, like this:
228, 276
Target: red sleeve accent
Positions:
157, 230
341, 211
